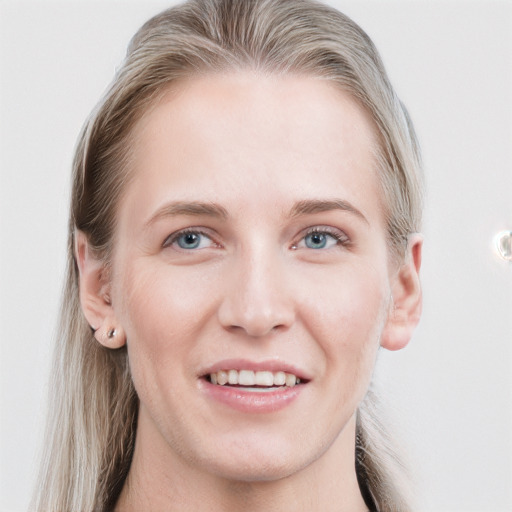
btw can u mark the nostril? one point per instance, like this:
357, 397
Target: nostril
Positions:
255, 319
257, 300
257, 330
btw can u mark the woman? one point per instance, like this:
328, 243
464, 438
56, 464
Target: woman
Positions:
243, 239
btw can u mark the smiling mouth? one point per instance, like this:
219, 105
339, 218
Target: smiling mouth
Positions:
254, 381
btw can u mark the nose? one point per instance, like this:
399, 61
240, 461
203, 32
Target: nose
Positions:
257, 300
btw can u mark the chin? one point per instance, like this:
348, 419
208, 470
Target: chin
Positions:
261, 471
262, 461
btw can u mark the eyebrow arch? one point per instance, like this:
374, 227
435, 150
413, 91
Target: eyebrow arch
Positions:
176, 208
311, 206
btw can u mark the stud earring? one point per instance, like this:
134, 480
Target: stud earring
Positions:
111, 333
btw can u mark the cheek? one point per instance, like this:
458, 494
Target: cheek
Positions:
161, 304
159, 313
347, 315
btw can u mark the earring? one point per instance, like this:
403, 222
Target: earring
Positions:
111, 333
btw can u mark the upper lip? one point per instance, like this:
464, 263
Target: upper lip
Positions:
269, 365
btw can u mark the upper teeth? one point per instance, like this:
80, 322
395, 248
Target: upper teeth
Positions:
250, 378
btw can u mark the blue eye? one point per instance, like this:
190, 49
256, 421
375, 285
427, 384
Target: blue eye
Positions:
322, 239
189, 240
317, 240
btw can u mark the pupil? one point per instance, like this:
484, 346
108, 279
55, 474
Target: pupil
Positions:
190, 239
317, 240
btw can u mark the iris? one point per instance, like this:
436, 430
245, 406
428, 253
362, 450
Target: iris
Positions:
316, 240
189, 240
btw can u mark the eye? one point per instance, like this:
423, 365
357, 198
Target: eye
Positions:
322, 238
189, 240
319, 241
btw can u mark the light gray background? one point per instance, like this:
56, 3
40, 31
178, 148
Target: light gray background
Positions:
451, 62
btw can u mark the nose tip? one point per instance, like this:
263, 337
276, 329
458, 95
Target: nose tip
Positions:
255, 321
257, 303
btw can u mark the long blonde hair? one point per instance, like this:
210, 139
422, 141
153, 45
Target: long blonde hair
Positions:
93, 408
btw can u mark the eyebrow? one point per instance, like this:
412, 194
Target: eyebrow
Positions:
308, 207
188, 208
304, 207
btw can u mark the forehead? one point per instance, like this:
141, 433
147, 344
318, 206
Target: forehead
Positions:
252, 100
240, 133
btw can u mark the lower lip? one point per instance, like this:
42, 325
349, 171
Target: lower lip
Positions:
253, 401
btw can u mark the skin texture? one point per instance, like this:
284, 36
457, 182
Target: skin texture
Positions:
257, 147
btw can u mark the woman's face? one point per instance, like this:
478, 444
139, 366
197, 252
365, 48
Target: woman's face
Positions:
251, 241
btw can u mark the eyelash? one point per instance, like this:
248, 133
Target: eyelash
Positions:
340, 237
171, 239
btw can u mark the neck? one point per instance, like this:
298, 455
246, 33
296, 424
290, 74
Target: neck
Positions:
159, 480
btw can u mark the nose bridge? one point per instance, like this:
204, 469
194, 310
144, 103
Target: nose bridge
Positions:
257, 299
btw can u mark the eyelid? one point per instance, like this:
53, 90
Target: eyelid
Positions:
340, 236
173, 237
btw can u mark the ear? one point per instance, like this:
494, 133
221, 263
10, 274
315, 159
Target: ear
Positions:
406, 303
94, 289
